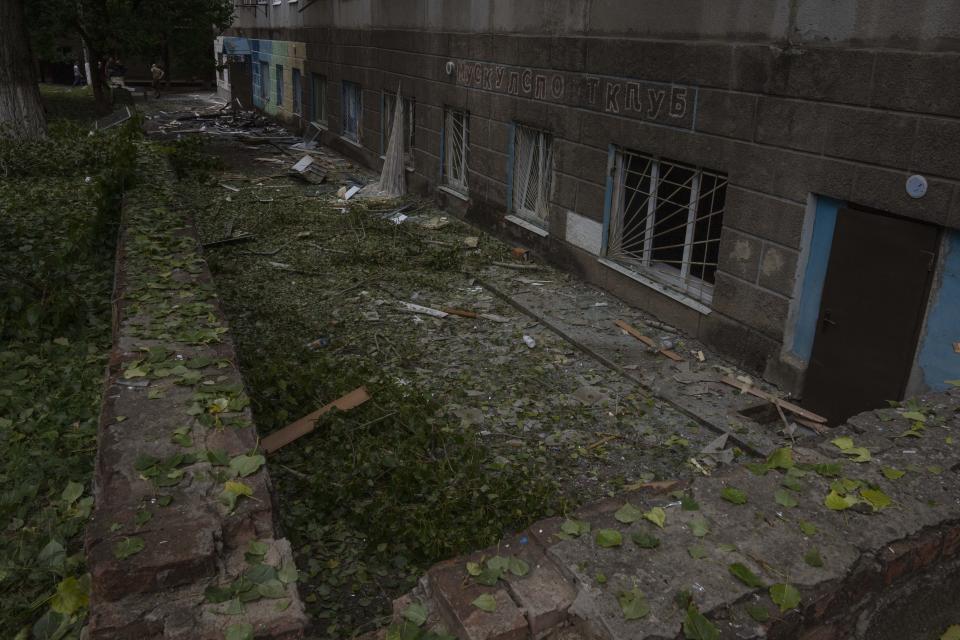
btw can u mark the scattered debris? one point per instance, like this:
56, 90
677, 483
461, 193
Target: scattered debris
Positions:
229, 187
661, 348
529, 341
246, 237
524, 267
460, 312
308, 423
427, 311
352, 191
780, 404
434, 223
520, 253
471, 242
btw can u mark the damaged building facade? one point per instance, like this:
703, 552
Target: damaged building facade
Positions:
779, 178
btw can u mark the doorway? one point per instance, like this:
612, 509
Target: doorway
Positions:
874, 296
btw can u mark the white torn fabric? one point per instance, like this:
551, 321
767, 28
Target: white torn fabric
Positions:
393, 182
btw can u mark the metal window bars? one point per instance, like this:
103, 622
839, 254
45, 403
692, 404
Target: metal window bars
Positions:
665, 222
533, 166
455, 149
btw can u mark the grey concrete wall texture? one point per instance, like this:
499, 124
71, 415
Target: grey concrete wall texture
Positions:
789, 98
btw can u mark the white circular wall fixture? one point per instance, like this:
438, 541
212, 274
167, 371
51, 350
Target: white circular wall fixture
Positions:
916, 186
451, 67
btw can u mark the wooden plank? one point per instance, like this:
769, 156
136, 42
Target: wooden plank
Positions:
673, 355
789, 406
636, 334
308, 423
463, 313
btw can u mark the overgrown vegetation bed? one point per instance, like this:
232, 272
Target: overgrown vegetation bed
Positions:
59, 206
470, 433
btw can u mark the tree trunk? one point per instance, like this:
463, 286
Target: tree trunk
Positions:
20, 107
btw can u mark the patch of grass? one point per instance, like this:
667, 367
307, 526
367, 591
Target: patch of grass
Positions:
57, 237
68, 103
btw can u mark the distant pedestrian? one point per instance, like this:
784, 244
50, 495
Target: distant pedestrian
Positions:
157, 73
77, 75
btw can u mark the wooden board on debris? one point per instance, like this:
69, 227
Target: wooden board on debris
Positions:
308, 423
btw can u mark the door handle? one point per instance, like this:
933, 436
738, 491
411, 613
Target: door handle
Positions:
827, 320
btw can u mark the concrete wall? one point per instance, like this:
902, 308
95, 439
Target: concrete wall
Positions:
792, 100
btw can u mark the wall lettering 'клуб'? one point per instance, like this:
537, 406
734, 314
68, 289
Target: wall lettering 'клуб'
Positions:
673, 105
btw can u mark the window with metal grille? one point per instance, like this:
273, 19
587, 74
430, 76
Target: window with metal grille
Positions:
532, 173
409, 130
279, 85
318, 98
455, 132
665, 222
352, 109
297, 90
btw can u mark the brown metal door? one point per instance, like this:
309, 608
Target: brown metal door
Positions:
876, 288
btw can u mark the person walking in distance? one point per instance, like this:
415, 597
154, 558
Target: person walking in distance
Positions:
77, 75
157, 74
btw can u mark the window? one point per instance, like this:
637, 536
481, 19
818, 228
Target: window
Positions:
665, 222
409, 130
297, 91
352, 108
264, 81
532, 174
318, 98
455, 133
279, 85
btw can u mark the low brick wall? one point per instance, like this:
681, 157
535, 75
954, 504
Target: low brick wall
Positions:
165, 549
871, 571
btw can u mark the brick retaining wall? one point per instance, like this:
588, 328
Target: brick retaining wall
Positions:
173, 368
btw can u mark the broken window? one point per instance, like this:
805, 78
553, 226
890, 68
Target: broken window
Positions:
455, 132
532, 172
665, 221
352, 107
318, 97
279, 85
264, 80
297, 91
409, 111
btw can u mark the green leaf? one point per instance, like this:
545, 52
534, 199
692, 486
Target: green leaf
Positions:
474, 568
260, 573
243, 466
628, 514
52, 555
758, 613
575, 528
272, 589
485, 602
240, 631
793, 483
914, 416
726, 547
218, 457
935, 469
687, 503
877, 499
785, 596
518, 567
733, 495
858, 454
697, 627
657, 516
71, 492
633, 604
416, 613
216, 595
128, 547
257, 548
781, 459
288, 573
600, 577
697, 552
742, 573
838, 502
607, 538
488, 576
232, 491
699, 527
812, 558
828, 469
785, 498
843, 443
142, 517
952, 633
757, 468
808, 528
72, 595
645, 541
892, 474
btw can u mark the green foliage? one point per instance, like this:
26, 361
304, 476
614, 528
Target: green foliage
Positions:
57, 235
188, 159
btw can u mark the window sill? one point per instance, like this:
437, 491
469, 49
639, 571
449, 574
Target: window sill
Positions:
353, 142
526, 224
454, 193
659, 287
320, 125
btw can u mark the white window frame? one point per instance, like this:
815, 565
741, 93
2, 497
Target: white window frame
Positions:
456, 145
353, 136
386, 124
525, 163
641, 260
